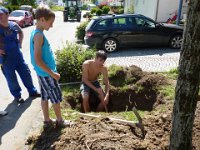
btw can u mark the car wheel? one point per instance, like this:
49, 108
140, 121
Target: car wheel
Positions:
110, 45
176, 41
32, 22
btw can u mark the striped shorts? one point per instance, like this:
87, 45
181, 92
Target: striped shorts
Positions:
50, 89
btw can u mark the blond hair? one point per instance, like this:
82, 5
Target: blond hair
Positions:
44, 11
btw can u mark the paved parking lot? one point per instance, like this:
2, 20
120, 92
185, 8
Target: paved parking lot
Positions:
149, 59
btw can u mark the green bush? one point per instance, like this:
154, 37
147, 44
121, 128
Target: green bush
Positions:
87, 15
121, 11
69, 62
93, 10
84, 7
12, 7
105, 9
131, 9
99, 12
80, 31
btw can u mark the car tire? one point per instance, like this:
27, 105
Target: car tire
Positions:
32, 22
176, 42
110, 45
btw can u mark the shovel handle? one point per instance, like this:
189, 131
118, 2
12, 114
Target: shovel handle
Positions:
105, 106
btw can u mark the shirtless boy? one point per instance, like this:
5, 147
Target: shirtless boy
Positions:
91, 71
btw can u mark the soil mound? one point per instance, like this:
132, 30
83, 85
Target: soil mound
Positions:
130, 87
103, 134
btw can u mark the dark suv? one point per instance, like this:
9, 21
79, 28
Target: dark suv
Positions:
114, 31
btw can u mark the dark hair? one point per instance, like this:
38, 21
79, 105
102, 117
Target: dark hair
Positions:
44, 11
101, 54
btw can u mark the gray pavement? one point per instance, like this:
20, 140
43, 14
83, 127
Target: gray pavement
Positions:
149, 59
15, 127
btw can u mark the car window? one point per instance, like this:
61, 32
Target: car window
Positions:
143, 22
130, 22
119, 23
124, 22
104, 24
16, 14
90, 24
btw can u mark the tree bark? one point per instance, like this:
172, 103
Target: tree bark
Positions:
188, 82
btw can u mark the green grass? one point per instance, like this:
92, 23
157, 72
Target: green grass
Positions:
67, 114
113, 70
139, 89
129, 115
172, 74
70, 114
123, 88
67, 90
168, 91
57, 8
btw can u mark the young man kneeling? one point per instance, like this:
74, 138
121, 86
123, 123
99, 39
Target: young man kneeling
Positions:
91, 71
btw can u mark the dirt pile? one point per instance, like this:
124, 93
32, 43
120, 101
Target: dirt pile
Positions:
103, 134
129, 87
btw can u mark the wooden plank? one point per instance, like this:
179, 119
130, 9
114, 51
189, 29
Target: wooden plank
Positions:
112, 119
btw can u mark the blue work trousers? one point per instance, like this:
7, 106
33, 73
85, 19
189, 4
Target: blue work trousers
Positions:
22, 69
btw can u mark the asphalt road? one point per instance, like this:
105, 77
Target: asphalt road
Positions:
17, 124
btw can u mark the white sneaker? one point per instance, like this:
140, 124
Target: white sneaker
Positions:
3, 113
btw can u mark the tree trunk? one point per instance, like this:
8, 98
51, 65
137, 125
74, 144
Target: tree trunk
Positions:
188, 82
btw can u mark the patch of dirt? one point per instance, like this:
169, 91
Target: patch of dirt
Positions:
129, 87
104, 134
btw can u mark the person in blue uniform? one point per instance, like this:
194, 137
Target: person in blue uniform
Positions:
11, 37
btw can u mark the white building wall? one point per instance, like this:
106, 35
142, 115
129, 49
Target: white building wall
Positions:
146, 8
129, 6
167, 9
61, 3
158, 10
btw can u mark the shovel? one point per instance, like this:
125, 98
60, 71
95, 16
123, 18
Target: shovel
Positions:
139, 124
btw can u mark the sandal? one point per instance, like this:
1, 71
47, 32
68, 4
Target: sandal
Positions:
64, 123
49, 124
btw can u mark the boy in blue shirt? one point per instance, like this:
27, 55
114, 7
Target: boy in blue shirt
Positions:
43, 61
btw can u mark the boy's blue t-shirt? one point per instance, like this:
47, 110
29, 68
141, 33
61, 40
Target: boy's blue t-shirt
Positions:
47, 55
